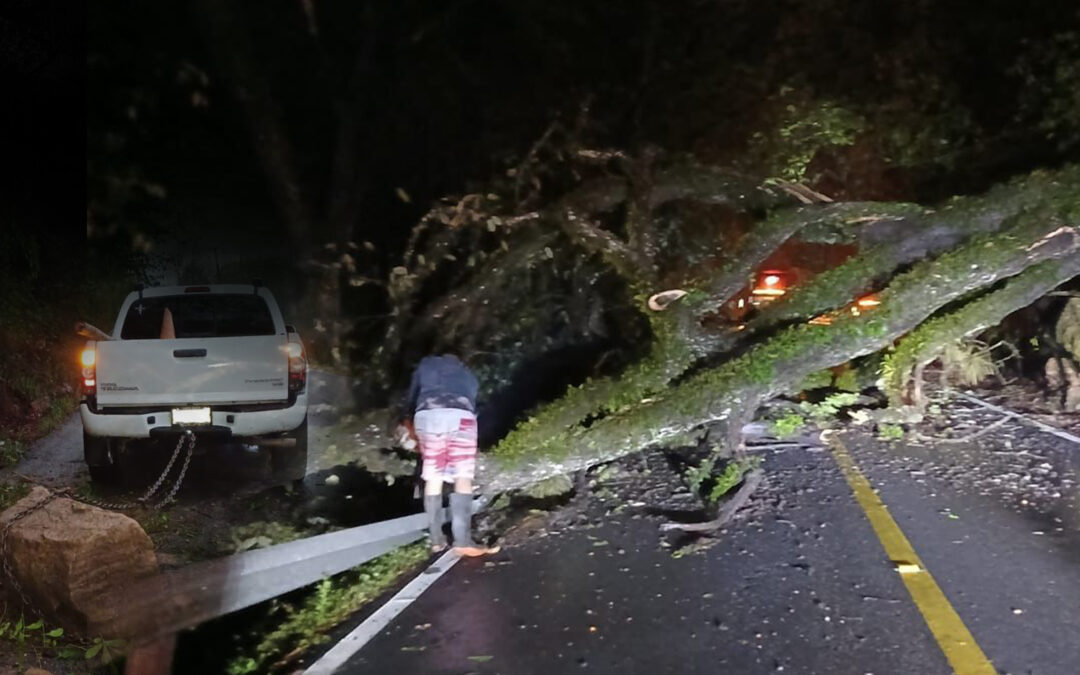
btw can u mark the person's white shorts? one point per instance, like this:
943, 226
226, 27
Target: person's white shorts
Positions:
447, 443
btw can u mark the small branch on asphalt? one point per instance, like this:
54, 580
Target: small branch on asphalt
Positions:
971, 437
1023, 418
774, 446
749, 484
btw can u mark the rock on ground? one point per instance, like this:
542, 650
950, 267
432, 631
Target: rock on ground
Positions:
67, 556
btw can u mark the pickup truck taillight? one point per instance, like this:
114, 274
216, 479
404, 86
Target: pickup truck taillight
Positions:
297, 367
88, 359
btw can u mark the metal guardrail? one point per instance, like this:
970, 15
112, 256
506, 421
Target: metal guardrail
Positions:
151, 611
163, 604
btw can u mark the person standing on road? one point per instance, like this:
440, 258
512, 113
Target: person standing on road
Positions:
442, 402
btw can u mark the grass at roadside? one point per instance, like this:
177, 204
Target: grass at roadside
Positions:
11, 493
27, 642
291, 628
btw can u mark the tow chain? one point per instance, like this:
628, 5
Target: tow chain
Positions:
152, 490
5, 552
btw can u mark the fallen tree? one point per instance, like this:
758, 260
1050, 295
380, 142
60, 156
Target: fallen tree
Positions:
700, 369
729, 394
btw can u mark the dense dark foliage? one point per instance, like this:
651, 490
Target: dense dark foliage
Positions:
302, 141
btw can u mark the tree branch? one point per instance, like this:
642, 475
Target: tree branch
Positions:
750, 483
925, 343
626, 262
770, 234
639, 223
895, 242
734, 390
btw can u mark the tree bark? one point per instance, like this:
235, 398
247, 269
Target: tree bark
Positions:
925, 343
733, 391
769, 235
896, 242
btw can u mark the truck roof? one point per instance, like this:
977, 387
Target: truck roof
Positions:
155, 291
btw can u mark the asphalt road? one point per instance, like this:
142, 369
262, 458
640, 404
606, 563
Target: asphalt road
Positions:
800, 585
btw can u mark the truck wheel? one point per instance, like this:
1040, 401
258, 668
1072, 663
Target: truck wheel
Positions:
103, 463
290, 464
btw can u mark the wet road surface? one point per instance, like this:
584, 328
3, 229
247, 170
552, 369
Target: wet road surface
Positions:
799, 585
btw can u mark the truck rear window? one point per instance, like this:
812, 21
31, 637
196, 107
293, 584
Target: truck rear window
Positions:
195, 316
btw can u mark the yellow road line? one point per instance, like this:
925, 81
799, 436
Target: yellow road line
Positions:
960, 648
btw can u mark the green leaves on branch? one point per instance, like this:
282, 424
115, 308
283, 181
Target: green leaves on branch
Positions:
703, 476
804, 128
788, 425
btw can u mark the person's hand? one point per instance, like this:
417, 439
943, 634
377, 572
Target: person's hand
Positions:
404, 437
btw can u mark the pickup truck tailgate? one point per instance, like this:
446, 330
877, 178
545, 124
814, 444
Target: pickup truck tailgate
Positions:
190, 371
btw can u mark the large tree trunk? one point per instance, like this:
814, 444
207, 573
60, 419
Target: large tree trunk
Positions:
925, 343
698, 370
679, 344
892, 242
730, 393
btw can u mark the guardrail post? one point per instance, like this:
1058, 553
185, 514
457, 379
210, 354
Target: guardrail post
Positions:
153, 658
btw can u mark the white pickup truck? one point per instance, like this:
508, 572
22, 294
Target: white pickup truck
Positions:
217, 360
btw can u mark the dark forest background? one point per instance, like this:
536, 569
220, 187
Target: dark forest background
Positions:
421, 100
230, 140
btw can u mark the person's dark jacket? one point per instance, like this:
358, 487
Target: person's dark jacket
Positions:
441, 382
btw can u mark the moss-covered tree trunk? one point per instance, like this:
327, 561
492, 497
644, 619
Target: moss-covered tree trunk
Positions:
902, 368
1003, 233
700, 369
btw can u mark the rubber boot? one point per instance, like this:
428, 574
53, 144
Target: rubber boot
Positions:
433, 507
461, 527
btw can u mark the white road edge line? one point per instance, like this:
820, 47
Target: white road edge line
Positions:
334, 659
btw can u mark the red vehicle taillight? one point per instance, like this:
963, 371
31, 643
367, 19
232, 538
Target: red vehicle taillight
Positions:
88, 359
770, 284
297, 367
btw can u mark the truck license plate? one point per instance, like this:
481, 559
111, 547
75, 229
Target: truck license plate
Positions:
191, 416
